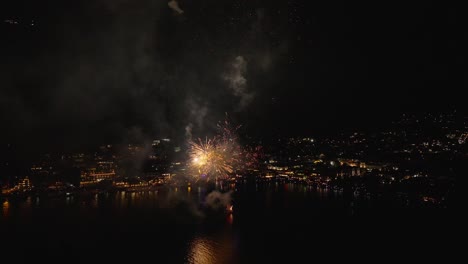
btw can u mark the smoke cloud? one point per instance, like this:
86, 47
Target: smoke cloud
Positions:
133, 66
237, 82
197, 114
217, 200
132, 160
188, 210
174, 5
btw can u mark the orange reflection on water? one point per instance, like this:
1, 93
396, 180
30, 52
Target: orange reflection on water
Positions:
201, 251
207, 250
6, 208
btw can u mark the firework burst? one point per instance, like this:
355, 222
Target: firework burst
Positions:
210, 158
220, 156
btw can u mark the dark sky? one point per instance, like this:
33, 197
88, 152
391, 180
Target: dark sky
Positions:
82, 72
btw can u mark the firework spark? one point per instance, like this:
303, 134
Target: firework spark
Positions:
216, 157
220, 156
210, 158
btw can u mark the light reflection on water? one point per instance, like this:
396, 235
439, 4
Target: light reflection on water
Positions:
206, 237
204, 249
201, 251
155, 199
95, 201
5, 208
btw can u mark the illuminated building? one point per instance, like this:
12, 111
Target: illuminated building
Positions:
103, 171
25, 184
92, 176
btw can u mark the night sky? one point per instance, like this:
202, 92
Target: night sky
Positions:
84, 72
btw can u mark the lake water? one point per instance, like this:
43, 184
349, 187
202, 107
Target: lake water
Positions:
270, 222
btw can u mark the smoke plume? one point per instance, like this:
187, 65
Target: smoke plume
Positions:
237, 82
174, 5
197, 114
217, 200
